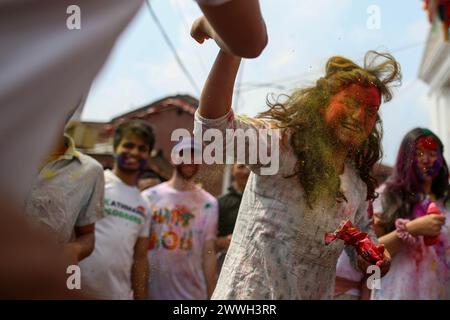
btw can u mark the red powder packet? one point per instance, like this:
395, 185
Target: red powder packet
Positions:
432, 209
360, 240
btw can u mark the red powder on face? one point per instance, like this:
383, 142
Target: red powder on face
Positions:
427, 143
354, 111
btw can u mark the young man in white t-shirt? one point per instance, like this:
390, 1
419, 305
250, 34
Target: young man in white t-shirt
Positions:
181, 252
118, 269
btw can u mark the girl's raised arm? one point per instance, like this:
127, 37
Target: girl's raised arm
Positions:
237, 26
217, 93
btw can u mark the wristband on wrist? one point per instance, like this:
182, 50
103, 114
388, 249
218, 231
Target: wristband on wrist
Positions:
402, 232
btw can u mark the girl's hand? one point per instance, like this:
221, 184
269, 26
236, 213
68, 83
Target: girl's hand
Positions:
384, 267
201, 30
429, 225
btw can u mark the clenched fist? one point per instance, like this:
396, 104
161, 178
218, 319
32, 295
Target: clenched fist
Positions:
201, 30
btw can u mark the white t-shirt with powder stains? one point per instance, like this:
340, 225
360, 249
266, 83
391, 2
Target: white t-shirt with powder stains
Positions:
107, 271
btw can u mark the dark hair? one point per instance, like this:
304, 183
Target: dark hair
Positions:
403, 187
136, 127
302, 113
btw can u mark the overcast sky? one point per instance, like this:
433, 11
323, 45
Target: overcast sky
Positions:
302, 36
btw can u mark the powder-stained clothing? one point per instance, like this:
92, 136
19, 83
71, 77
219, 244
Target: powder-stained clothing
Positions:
277, 250
347, 272
182, 221
67, 193
417, 272
107, 271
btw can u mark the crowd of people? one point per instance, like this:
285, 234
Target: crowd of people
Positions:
135, 236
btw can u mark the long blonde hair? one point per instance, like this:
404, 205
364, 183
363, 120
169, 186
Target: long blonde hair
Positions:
302, 112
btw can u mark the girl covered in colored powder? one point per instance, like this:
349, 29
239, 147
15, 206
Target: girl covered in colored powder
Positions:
420, 176
329, 140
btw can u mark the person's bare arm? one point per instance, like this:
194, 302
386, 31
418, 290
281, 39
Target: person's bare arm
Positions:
83, 245
429, 225
222, 243
390, 240
217, 93
210, 266
139, 272
237, 26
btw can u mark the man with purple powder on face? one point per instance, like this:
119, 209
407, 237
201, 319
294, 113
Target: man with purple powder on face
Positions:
118, 269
